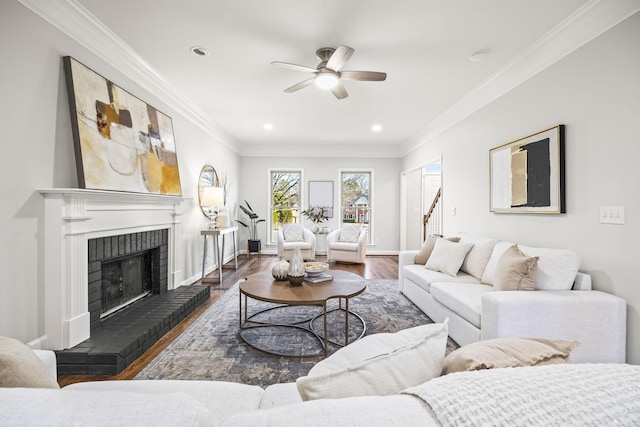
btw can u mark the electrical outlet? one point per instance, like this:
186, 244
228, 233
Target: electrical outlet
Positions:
453, 211
611, 214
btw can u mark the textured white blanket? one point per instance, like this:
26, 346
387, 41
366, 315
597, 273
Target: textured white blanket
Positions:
552, 395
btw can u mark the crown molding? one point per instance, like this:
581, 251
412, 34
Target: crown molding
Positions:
79, 24
585, 24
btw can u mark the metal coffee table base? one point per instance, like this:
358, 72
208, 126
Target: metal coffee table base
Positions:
248, 322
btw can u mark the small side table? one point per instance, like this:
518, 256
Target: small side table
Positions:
218, 249
321, 243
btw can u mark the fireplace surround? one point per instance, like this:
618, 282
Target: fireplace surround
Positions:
72, 218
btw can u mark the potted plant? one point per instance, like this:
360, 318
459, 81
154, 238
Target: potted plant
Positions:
315, 214
254, 244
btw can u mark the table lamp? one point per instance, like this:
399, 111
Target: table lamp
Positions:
213, 198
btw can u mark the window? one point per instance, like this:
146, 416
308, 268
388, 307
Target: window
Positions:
286, 193
355, 191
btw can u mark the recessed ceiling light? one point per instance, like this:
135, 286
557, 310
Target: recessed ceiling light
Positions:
268, 126
200, 51
478, 56
376, 128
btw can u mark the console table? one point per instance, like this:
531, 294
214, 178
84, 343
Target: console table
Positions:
218, 249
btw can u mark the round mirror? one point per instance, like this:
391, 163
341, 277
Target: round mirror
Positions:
208, 178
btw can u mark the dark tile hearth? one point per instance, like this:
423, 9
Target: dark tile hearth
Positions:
125, 335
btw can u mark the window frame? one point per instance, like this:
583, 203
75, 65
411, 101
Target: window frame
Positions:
271, 234
370, 171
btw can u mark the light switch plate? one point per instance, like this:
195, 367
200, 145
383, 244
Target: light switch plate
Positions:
611, 214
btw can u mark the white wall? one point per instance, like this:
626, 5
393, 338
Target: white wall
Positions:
37, 152
595, 92
385, 198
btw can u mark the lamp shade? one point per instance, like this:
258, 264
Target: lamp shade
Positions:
212, 197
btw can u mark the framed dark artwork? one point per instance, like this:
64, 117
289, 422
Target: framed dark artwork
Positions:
321, 196
527, 175
121, 143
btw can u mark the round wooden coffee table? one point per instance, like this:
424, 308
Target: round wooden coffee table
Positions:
263, 287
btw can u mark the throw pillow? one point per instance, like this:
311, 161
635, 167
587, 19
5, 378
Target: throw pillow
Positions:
379, 364
20, 367
350, 233
515, 271
508, 353
478, 257
293, 232
447, 256
427, 249
557, 268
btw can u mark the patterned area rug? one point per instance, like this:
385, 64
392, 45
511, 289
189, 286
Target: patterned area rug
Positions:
211, 348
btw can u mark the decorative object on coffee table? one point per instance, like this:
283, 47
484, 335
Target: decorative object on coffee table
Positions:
296, 268
280, 269
315, 268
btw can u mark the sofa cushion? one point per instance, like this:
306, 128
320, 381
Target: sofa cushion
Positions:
379, 364
478, 257
350, 233
289, 246
293, 232
47, 407
238, 398
20, 367
427, 247
465, 299
557, 268
490, 269
424, 277
398, 410
515, 271
508, 353
344, 246
280, 394
448, 256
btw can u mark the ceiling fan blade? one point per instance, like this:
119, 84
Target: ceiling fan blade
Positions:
295, 67
339, 91
300, 85
339, 58
364, 76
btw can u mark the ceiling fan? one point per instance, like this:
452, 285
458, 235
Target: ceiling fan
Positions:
327, 74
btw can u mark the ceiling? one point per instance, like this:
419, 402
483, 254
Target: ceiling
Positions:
423, 45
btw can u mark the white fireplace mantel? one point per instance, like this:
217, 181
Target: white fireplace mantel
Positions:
72, 217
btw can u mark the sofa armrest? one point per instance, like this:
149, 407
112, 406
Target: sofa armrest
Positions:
405, 258
49, 359
596, 319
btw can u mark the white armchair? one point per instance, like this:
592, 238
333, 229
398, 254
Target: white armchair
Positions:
307, 244
344, 251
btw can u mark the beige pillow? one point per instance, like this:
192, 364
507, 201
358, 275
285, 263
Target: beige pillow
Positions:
515, 271
20, 367
379, 364
427, 248
508, 353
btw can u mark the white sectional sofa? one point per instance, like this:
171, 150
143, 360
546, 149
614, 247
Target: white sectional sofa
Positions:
563, 306
454, 399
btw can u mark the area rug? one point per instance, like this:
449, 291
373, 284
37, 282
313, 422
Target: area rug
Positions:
211, 348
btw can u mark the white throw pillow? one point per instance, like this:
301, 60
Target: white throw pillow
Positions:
447, 256
557, 268
350, 233
379, 364
293, 232
476, 260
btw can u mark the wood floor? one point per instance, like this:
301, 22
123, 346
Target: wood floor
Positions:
375, 267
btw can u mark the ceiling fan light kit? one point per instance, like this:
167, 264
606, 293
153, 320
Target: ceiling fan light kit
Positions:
327, 74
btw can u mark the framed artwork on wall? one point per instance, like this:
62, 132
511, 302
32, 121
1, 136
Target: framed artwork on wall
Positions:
121, 143
527, 175
321, 195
